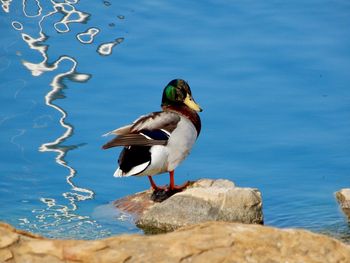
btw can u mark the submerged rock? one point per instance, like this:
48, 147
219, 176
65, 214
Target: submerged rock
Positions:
207, 242
343, 197
205, 200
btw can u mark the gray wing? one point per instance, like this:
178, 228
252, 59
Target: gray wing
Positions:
153, 129
157, 120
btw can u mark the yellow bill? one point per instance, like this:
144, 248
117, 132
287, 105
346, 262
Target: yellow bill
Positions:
191, 103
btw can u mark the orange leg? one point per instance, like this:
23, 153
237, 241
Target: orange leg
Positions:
172, 183
154, 186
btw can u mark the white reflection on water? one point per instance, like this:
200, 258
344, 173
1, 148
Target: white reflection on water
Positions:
35, 20
17, 25
25, 5
55, 146
57, 218
107, 48
5, 4
69, 12
87, 37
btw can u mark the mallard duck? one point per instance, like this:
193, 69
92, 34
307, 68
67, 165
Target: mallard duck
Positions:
158, 142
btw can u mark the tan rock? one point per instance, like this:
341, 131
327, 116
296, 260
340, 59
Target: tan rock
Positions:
5, 254
343, 197
205, 200
207, 242
7, 240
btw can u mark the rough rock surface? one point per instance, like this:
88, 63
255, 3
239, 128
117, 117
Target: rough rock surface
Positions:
205, 200
343, 197
206, 242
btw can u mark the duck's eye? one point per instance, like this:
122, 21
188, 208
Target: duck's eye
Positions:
170, 92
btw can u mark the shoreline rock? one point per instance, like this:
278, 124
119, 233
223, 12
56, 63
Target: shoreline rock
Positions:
205, 242
205, 200
343, 198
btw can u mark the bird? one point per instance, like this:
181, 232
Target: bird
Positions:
158, 142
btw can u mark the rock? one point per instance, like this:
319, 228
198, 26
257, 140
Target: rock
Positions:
343, 197
135, 204
205, 200
205, 242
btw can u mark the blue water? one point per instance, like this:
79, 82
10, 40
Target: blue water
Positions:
272, 77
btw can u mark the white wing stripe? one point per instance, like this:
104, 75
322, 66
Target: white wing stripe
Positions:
166, 132
147, 137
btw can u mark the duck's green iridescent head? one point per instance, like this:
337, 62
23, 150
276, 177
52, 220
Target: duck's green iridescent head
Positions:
178, 92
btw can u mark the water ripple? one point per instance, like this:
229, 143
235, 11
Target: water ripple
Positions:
54, 216
87, 37
4, 63
5, 4
107, 48
17, 25
71, 15
13, 139
29, 5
